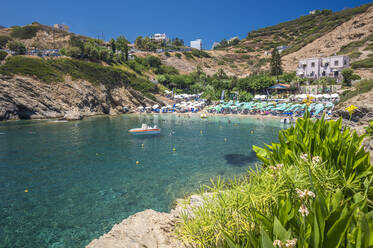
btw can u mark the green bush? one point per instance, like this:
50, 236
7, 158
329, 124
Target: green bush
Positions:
31, 67
153, 61
92, 72
188, 55
361, 87
340, 150
4, 40
369, 128
143, 85
354, 55
200, 54
178, 55
349, 76
369, 47
315, 187
55, 70
150, 96
167, 54
365, 63
244, 96
74, 52
26, 32
136, 66
245, 56
3, 55
17, 46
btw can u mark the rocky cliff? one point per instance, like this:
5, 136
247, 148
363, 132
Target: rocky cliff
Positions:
27, 98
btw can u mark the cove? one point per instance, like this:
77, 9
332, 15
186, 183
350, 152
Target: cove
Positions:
82, 178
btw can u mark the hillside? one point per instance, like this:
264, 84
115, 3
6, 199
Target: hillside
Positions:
324, 33
68, 89
347, 32
38, 36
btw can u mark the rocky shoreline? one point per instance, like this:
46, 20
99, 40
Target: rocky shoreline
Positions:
27, 98
149, 228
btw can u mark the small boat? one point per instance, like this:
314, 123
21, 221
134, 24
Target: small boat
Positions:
144, 129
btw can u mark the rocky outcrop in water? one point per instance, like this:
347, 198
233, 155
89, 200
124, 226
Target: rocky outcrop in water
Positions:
26, 98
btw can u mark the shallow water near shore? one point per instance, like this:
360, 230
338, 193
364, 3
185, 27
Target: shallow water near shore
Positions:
82, 178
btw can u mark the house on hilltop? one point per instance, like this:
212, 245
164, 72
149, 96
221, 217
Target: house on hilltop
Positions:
159, 37
197, 44
315, 68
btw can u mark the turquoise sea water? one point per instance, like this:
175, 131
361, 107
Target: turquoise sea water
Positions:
82, 177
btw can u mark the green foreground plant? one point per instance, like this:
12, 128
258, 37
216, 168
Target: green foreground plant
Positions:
314, 190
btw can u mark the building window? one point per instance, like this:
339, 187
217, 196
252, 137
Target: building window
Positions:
345, 62
336, 63
326, 64
313, 64
323, 73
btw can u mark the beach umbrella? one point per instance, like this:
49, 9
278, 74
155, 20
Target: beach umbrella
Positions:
334, 95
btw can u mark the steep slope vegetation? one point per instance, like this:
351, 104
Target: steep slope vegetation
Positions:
38, 36
347, 32
68, 88
351, 38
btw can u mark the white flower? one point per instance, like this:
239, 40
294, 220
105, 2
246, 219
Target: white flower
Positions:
279, 166
300, 193
305, 193
277, 243
309, 193
291, 243
316, 159
303, 210
304, 157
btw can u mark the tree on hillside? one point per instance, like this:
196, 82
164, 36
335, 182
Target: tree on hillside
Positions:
177, 42
4, 40
138, 42
276, 68
220, 74
349, 76
153, 61
122, 46
17, 46
76, 42
112, 45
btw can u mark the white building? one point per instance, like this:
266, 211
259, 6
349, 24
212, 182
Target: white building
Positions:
197, 44
159, 37
314, 68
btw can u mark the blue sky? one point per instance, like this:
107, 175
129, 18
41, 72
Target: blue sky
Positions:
209, 20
